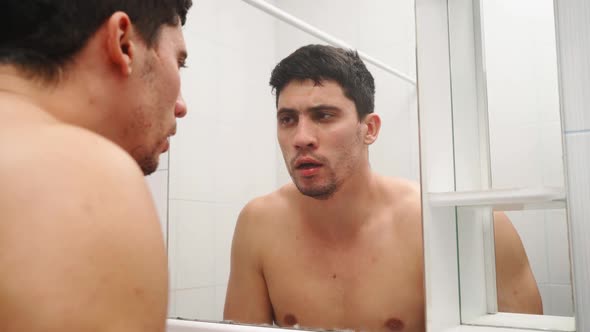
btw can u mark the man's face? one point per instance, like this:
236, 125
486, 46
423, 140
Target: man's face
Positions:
320, 136
159, 101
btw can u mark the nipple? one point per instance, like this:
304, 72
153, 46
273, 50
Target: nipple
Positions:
290, 320
394, 324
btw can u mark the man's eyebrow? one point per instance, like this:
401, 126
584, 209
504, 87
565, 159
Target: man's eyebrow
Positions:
323, 107
285, 110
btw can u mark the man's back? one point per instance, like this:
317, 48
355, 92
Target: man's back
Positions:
80, 244
371, 279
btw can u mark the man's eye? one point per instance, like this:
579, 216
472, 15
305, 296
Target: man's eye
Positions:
286, 120
325, 116
182, 64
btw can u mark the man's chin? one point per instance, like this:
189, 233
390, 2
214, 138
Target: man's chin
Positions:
149, 165
322, 193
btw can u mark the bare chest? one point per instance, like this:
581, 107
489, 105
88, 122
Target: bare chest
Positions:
372, 285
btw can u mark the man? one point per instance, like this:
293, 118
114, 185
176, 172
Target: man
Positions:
89, 94
341, 246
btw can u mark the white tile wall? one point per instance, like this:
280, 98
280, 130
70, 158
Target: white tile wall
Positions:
163, 164
341, 20
561, 300
510, 73
158, 185
395, 153
192, 234
557, 247
196, 303
546, 298
552, 157
225, 150
516, 155
229, 131
557, 299
391, 45
219, 300
225, 222
171, 304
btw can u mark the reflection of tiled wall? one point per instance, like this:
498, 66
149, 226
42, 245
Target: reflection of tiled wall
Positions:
158, 184
225, 151
525, 133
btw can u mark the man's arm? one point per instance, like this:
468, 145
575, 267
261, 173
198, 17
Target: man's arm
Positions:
80, 244
517, 289
247, 299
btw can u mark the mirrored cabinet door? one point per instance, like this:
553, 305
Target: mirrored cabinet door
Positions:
496, 172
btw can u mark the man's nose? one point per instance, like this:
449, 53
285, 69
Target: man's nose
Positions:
305, 136
180, 107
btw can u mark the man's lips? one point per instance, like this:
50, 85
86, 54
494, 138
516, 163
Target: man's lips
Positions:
304, 163
307, 166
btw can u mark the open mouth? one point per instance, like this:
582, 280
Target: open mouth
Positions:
308, 167
304, 166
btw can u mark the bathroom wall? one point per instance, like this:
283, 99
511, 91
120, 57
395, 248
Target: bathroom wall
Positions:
158, 185
525, 133
225, 152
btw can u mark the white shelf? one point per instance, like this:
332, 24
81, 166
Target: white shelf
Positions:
530, 322
503, 199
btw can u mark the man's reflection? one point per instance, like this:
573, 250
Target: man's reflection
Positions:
516, 286
341, 246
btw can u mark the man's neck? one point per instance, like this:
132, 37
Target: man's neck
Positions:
348, 210
61, 100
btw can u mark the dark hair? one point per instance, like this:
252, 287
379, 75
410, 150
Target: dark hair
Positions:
41, 36
322, 62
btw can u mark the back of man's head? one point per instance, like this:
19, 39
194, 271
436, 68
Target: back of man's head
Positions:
323, 62
40, 37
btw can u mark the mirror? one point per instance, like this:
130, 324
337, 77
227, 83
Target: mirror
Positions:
225, 152
507, 132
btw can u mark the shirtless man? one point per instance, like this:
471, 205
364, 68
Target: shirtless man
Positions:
341, 246
89, 94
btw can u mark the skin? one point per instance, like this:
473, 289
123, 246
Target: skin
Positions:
346, 242
81, 247
516, 286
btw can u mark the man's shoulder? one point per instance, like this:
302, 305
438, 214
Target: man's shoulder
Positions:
57, 148
401, 189
79, 196
403, 198
55, 160
271, 205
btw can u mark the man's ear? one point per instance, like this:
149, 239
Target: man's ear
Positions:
120, 47
373, 123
